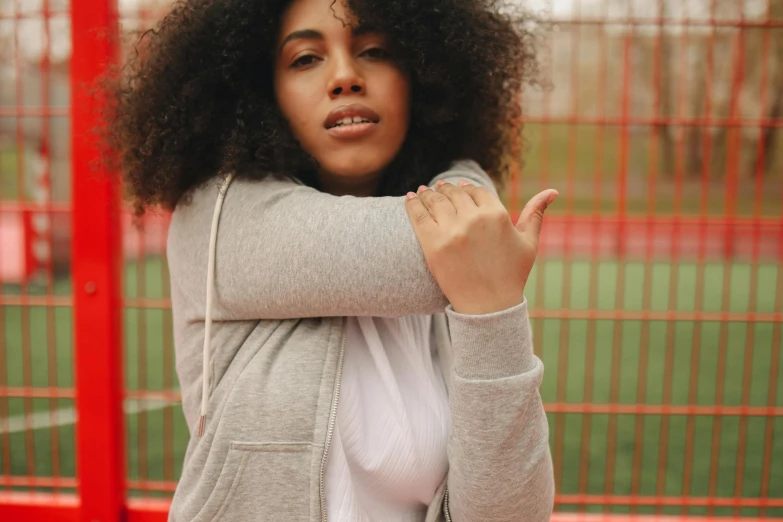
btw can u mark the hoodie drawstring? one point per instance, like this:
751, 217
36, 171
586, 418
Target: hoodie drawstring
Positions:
207, 352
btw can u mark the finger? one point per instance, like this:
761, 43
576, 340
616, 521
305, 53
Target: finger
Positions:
482, 196
420, 217
458, 197
532, 217
441, 208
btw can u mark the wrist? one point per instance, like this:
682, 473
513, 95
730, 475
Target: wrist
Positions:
467, 306
491, 346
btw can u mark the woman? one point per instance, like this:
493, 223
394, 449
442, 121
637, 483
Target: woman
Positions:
321, 378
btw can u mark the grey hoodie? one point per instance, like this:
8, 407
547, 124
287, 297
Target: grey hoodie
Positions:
291, 263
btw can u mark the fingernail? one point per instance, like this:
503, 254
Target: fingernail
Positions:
462, 183
411, 195
552, 197
422, 188
439, 183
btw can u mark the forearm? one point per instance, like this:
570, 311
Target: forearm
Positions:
288, 251
500, 467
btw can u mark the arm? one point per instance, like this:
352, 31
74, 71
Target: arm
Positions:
285, 250
500, 467
499, 463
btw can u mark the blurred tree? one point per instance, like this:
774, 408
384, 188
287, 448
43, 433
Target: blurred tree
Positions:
704, 72
765, 158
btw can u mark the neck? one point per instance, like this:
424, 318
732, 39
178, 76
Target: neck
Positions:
364, 186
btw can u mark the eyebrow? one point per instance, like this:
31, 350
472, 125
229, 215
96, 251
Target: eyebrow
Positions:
304, 34
312, 34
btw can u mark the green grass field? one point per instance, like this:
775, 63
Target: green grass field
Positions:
628, 346
157, 438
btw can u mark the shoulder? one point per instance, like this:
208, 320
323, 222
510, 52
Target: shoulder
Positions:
468, 170
468, 166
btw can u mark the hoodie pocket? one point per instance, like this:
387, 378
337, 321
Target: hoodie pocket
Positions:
262, 481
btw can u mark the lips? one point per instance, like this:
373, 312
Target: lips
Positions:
351, 114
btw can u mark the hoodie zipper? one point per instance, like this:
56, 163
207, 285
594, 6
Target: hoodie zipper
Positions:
446, 505
332, 418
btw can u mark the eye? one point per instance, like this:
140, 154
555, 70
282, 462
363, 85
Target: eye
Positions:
304, 61
376, 53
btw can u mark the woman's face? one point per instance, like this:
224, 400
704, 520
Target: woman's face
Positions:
346, 100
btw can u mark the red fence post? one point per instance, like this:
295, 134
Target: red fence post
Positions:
96, 278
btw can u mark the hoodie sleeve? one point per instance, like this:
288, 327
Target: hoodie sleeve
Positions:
285, 250
500, 467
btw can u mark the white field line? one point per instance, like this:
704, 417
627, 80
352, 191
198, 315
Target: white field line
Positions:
64, 416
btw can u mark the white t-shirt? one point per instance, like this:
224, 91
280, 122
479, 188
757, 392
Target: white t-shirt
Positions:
388, 451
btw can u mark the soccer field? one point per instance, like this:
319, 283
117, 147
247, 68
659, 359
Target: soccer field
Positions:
157, 435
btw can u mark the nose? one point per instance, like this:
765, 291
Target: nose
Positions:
346, 79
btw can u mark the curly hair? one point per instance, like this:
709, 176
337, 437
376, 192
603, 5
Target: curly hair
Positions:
195, 99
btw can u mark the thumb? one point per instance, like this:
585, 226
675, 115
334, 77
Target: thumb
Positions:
532, 216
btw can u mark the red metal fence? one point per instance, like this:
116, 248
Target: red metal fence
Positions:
657, 302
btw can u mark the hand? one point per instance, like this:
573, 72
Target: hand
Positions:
479, 258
